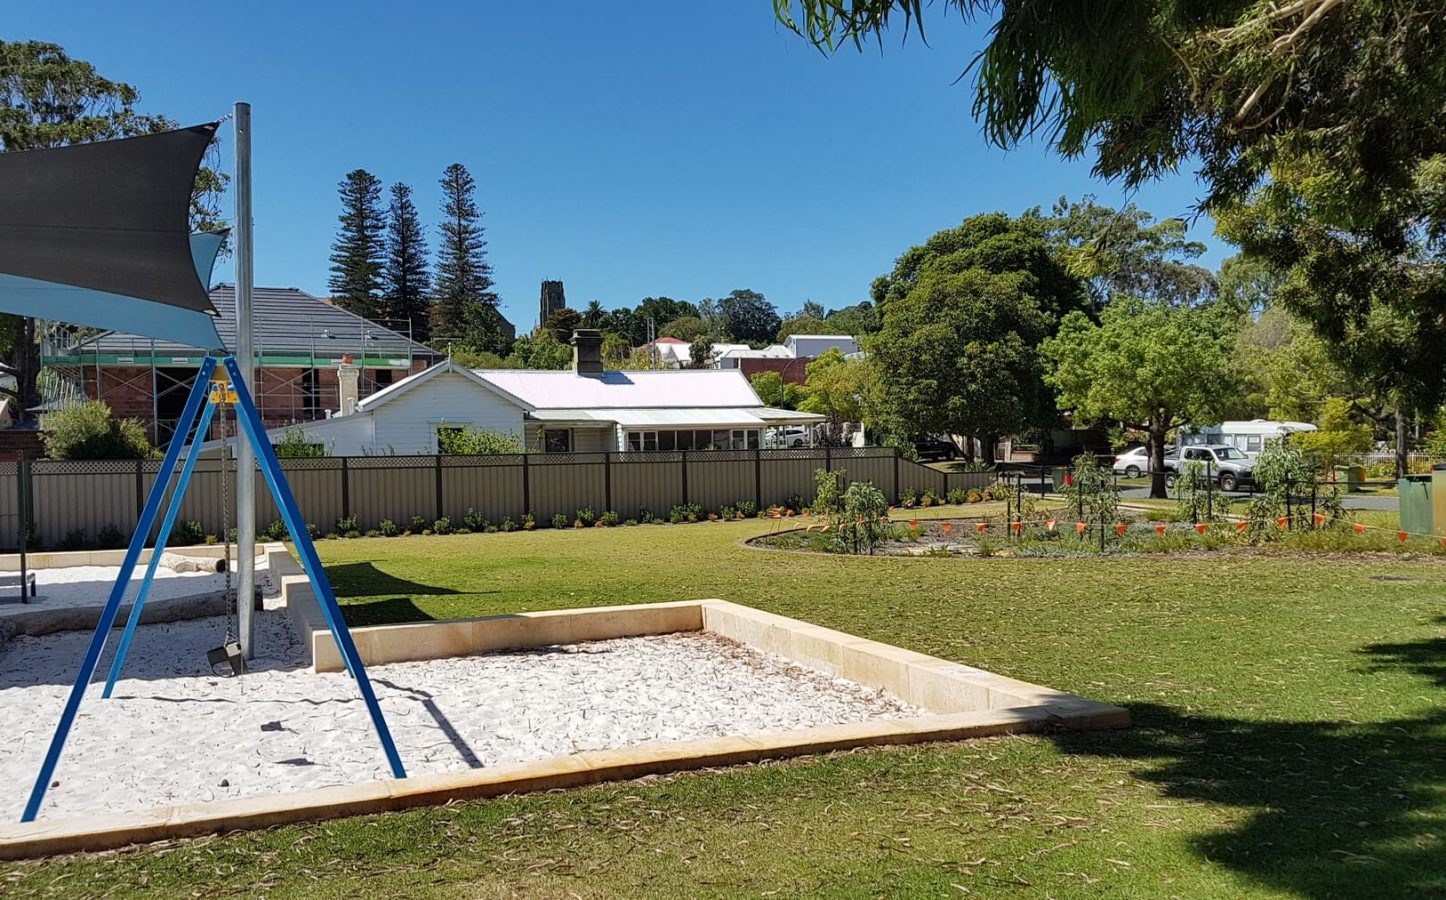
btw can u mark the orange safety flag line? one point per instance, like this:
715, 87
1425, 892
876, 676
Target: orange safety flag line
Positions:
1318, 518
1120, 528
1079, 527
947, 527
1443, 542
1015, 526
1160, 529
1200, 527
1401, 536
1241, 526
980, 526
1050, 523
1283, 521
1360, 527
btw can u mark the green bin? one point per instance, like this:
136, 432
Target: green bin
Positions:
1350, 478
1415, 491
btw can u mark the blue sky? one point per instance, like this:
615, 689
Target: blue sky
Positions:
631, 149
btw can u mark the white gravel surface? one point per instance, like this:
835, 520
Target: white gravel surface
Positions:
71, 587
175, 733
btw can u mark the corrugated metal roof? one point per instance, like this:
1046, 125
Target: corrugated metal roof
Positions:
670, 389
289, 322
711, 417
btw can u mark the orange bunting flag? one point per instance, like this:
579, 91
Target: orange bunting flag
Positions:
947, 527
1015, 526
1160, 529
1443, 542
1050, 523
822, 528
1079, 527
1401, 536
1360, 527
979, 527
913, 523
1318, 518
1200, 527
1120, 528
1241, 526
1283, 521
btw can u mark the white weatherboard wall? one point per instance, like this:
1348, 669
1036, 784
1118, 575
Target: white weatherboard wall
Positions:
408, 424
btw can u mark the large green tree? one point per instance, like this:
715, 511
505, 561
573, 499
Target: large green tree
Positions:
406, 283
48, 99
464, 305
1127, 251
747, 316
1147, 365
1315, 125
963, 317
359, 251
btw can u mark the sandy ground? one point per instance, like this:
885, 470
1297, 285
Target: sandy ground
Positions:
175, 733
76, 586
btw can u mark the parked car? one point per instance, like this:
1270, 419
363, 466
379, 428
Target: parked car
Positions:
1231, 467
786, 437
1136, 462
935, 448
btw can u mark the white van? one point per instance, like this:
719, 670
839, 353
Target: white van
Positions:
1249, 437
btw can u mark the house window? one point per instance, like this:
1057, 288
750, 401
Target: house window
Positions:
557, 440
1252, 444
383, 377
683, 440
667, 440
642, 440
311, 392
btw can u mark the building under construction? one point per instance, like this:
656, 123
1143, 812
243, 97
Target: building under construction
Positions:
301, 344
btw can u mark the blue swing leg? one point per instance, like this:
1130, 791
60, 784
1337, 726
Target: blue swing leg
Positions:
326, 599
112, 605
167, 523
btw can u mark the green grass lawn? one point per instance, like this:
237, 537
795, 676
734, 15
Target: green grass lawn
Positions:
1289, 739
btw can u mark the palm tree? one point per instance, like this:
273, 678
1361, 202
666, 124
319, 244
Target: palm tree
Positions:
592, 316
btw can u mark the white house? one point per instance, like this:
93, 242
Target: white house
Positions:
577, 410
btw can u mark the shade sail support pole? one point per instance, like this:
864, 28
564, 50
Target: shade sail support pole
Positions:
246, 358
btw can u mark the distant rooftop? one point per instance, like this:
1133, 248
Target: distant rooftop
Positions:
288, 323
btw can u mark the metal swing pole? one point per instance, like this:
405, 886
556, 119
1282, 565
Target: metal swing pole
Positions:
245, 357
112, 605
158, 549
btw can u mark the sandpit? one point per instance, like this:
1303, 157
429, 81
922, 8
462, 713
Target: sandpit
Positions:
73, 587
176, 734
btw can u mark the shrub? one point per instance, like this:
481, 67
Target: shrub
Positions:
188, 534
442, 526
352, 534
388, 528
507, 525
346, 523
727, 513
908, 498
417, 524
529, 522
559, 521
1092, 491
609, 519
974, 496
957, 496
932, 498
109, 538
212, 540
473, 441
793, 502
586, 516
89, 431
275, 531
475, 520
631, 522
294, 445
746, 509
856, 525
828, 497
75, 539
232, 535
373, 532
461, 529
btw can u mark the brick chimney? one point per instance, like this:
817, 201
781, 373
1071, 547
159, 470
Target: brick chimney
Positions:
348, 378
587, 352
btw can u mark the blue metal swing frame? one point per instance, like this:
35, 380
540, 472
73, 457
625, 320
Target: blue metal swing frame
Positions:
205, 395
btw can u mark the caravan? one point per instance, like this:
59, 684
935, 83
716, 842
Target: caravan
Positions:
1249, 437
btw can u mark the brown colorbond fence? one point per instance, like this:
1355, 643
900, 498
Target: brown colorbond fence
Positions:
86, 496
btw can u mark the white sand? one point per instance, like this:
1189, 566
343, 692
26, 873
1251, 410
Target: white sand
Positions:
72, 587
176, 734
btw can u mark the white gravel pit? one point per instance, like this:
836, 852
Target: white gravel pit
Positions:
175, 733
73, 587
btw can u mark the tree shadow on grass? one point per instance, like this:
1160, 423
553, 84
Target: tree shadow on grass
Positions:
364, 579
1338, 809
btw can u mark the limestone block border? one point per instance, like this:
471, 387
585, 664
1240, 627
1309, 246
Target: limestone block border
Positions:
963, 702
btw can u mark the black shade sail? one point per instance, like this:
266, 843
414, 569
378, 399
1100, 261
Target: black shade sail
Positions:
110, 217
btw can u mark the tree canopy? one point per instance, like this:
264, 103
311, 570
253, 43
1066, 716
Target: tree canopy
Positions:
747, 316
963, 316
358, 253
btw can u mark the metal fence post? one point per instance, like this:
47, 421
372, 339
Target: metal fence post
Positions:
526, 488
607, 481
140, 487
827, 459
345, 490
758, 478
897, 454
685, 475
438, 462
